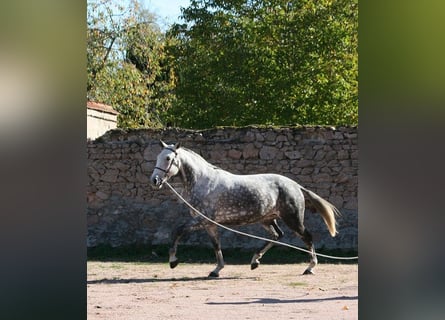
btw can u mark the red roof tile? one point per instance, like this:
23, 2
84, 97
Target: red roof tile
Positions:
101, 107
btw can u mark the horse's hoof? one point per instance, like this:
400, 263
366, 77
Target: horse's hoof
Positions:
213, 275
173, 264
307, 271
254, 265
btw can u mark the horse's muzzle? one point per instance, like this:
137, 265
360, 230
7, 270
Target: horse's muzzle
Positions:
156, 182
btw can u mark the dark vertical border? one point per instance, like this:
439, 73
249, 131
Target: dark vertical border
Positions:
42, 167
401, 156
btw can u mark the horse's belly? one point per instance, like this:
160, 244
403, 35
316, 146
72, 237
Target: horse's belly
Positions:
238, 217
245, 210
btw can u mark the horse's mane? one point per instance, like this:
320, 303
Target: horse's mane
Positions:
196, 155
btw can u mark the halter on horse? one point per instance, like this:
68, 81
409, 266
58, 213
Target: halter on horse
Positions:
235, 200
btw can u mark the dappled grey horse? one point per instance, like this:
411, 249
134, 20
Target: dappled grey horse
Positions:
235, 200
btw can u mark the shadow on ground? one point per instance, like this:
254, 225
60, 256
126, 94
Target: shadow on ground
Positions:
279, 301
148, 280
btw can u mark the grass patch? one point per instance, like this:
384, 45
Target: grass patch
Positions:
198, 254
297, 284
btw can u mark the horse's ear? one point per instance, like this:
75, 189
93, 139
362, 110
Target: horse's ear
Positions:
162, 144
178, 145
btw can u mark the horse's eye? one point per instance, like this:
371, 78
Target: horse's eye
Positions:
168, 158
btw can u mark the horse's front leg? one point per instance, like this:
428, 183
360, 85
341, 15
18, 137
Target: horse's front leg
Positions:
212, 230
176, 236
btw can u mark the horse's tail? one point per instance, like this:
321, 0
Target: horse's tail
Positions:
327, 210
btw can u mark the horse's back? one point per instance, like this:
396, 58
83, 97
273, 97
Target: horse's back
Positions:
271, 181
287, 190
240, 199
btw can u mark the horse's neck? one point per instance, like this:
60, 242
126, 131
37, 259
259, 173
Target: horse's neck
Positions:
193, 168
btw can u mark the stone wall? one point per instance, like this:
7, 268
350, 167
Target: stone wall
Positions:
123, 209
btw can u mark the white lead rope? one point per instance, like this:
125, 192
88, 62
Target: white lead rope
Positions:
250, 235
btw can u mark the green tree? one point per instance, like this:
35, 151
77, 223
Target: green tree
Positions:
127, 63
276, 62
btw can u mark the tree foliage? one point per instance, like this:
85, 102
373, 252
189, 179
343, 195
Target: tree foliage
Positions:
233, 62
277, 62
127, 63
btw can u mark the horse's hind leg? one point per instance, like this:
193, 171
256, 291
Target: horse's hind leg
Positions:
297, 226
276, 234
212, 230
307, 238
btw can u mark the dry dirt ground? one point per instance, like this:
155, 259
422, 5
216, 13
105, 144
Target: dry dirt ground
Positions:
123, 290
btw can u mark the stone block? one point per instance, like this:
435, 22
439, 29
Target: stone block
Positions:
304, 179
259, 137
338, 135
110, 175
218, 154
142, 178
343, 155
336, 200
305, 163
325, 170
292, 154
121, 166
138, 156
330, 155
354, 155
309, 153
151, 153
322, 177
102, 195
270, 136
268, 153
250, 152
319, 155
295, 170
350, 135
307, 171
200, 138
248, 137
351, 204
342, 178
234, 154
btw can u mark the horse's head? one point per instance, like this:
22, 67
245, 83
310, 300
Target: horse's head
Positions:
167, 164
